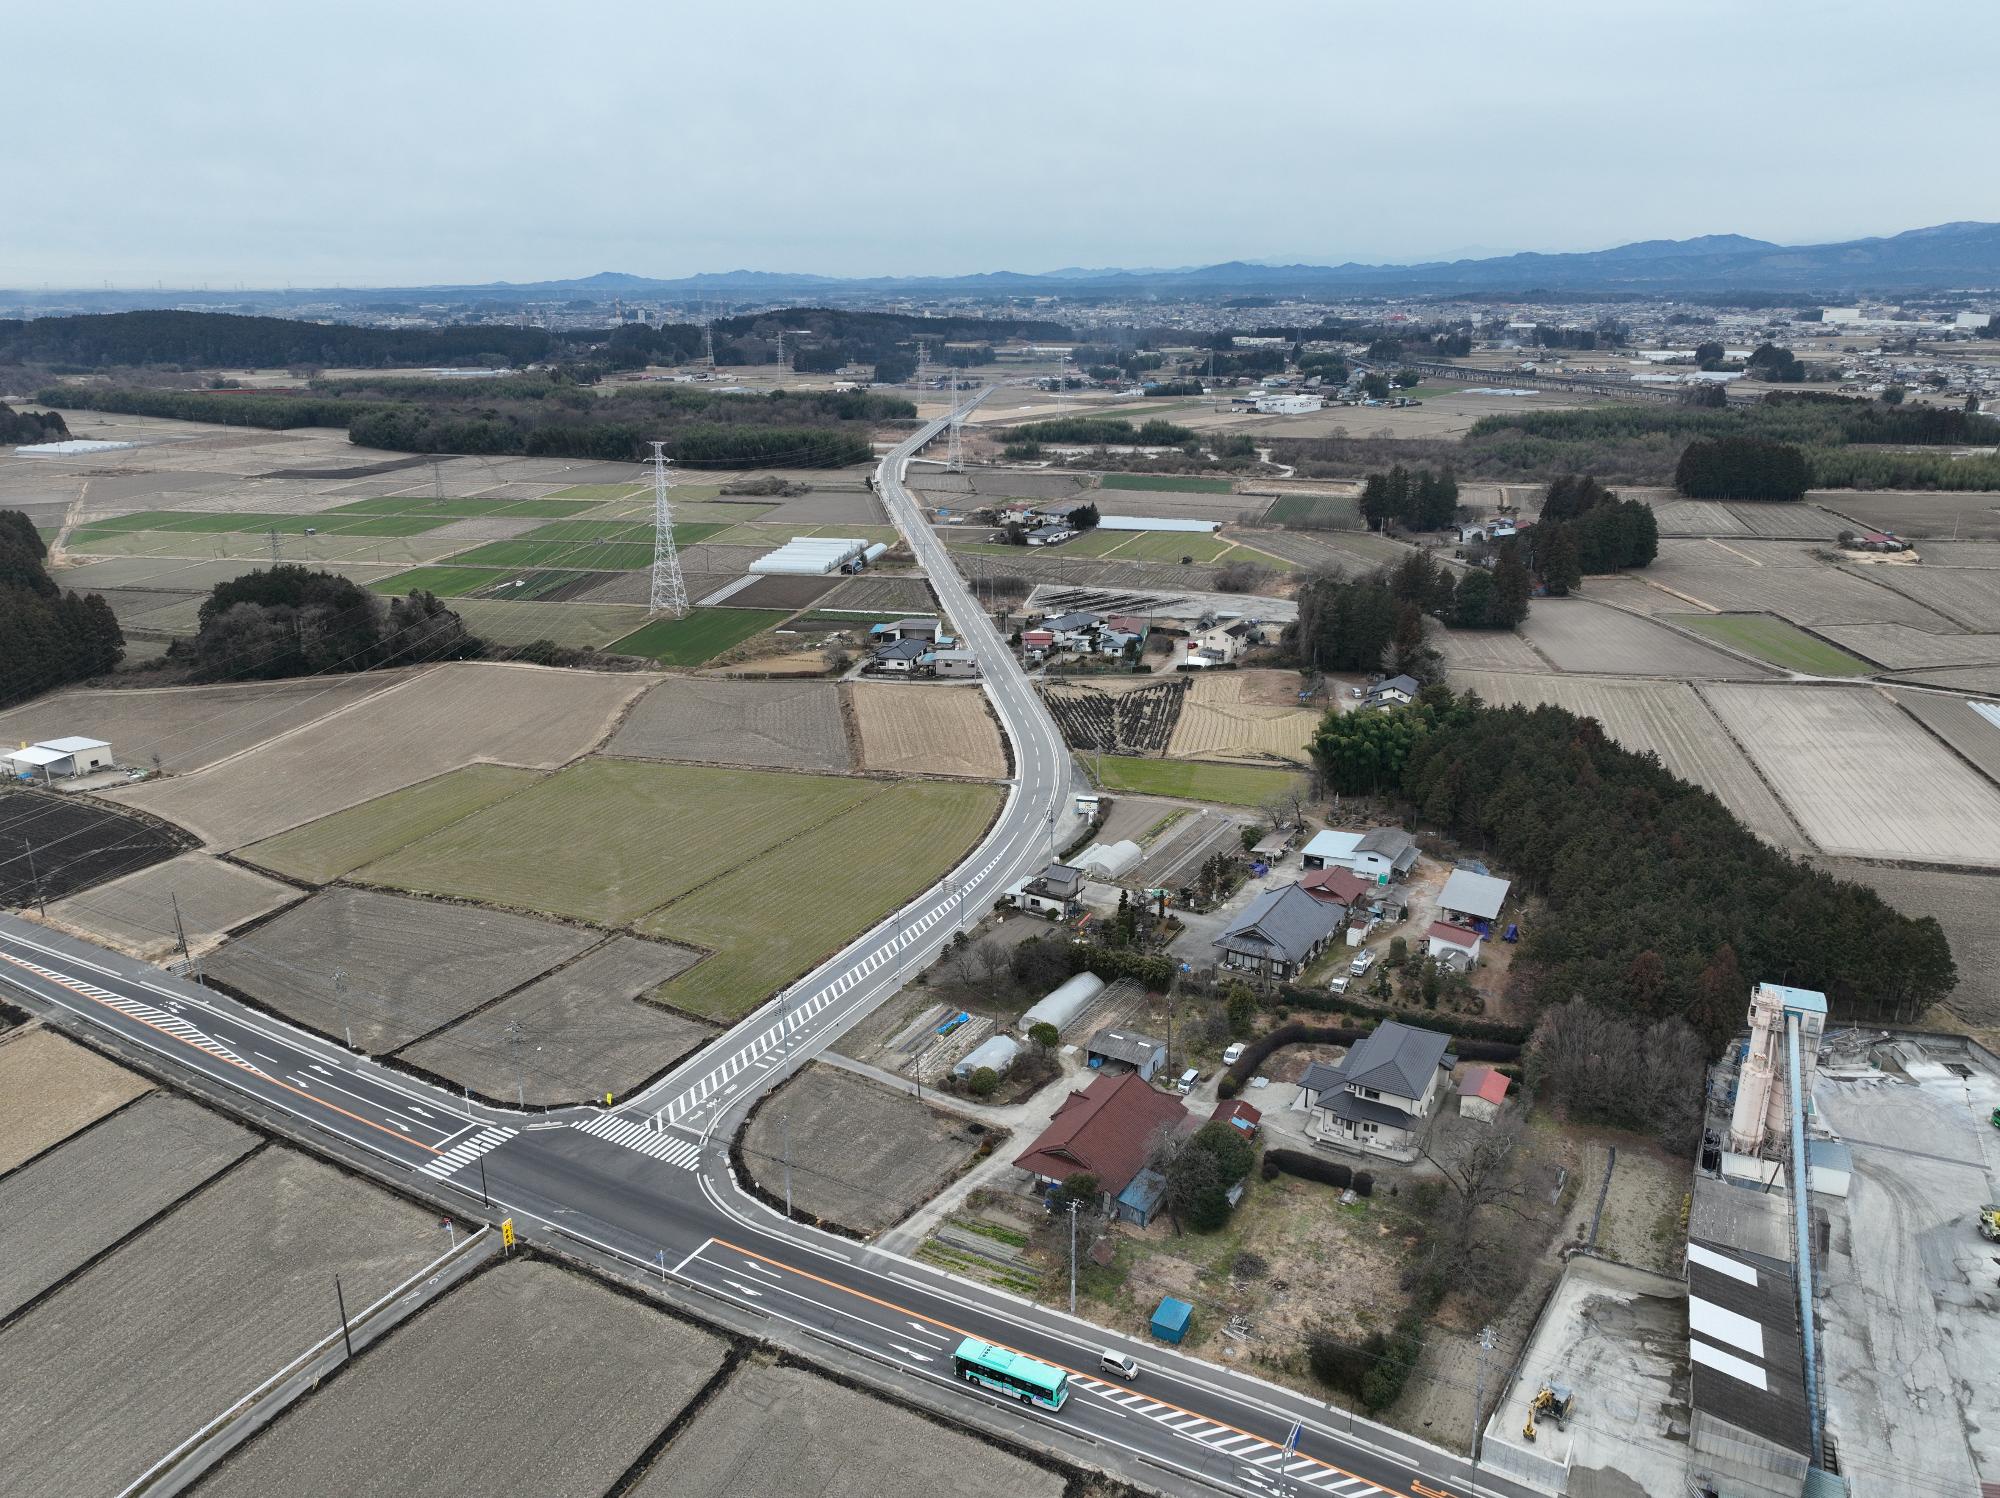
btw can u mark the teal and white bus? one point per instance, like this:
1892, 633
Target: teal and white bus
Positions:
1011, 1374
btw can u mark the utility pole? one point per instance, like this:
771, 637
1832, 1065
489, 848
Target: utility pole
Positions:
339, 998
1072, 1258
1486, 1342
188, 966
669, 591
785, 1122
485, 1198
35, 879
345, 1335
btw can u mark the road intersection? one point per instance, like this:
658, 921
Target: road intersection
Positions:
647, 1181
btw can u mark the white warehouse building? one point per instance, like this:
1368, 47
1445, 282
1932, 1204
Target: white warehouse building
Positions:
1288, 405
812, 556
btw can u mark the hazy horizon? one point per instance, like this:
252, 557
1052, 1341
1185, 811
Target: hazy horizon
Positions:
227, 144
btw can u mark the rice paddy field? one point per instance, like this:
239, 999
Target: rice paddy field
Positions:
858, 867
701, 636
781, 725
1587, 637
1186, 780
1862, 777
927, 730
1774, 640
609, 840
334, 846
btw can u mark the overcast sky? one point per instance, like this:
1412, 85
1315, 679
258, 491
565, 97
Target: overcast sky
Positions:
424, 141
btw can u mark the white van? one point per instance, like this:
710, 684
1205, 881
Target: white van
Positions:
1188, 1078
1339, 985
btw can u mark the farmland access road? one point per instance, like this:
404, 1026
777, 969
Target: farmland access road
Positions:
644, 1185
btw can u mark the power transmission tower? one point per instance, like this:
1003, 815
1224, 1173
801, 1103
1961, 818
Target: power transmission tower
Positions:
669, 594
708, 342
274, 546
923, 363
781, 348
437, 482
955, 456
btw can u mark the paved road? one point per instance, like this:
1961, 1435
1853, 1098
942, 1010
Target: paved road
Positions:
648, 1182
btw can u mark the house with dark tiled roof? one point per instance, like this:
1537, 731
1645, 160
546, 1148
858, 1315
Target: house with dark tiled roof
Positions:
1105, 1131
1278, 934
1380, 1098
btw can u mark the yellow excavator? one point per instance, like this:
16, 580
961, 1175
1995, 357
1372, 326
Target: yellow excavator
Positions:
1989, 1222
1553, 1401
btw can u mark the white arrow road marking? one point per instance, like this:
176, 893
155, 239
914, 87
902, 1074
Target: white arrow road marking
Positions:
910, 1352
923, 1331
745, 1289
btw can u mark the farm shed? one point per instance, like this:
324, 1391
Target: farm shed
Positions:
997, 1051
1170, 1320
1470, 896
1481, 1093
955, 663
1330, 847
1109, 860
1126, 1050
1453, 944
65, 756
1063, 1005
1138, 1202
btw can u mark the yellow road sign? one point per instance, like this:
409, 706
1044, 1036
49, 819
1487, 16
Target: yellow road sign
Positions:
507, 1232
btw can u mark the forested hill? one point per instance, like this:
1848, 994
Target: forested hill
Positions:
220, 340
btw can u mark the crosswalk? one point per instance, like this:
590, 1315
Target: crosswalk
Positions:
770, 1047
147, 1014
670, 1148
465, 1152
1252, 1451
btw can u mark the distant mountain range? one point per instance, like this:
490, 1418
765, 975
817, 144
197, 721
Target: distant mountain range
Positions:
1944, 257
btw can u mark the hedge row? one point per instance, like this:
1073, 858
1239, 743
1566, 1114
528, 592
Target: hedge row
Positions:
1308, 1167
1320, 1001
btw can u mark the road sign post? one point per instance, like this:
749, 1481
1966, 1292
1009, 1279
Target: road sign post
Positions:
507, 1233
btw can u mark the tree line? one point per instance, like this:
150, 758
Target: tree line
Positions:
1655, 900
211, 340
1426, 500
1742, 468
290, 620
19, 428
52, 637
1586, 528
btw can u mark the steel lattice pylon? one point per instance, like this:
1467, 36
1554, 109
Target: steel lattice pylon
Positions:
669, 593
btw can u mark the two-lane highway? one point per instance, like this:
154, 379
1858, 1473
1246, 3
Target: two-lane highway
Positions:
647, 1183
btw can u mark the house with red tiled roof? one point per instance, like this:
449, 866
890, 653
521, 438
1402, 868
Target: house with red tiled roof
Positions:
1241, 1114
1337, 886
1481, 1093
1105, 1131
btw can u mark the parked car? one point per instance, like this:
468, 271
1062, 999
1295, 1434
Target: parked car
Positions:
1234, 1054
1188, 1078
1364, 960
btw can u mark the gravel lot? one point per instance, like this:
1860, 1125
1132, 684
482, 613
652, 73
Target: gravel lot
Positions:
115, 1369
831, 1441
410, 965
927, 730
577, 1033
85, 1195
862, 1154
434, 721
784, 725
1582, 636
323, 851
1666, 718
136, 914
1861, 777
581, 1380
50, 1088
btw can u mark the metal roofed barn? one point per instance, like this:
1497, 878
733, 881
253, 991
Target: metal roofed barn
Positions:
1469, 894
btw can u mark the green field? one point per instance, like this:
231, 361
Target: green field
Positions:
445, 582
587, 556
859, 866
1772, 639
1163, 546
338, 845
1166, 483
610, 530
241, 523
462, 509
597, 493
701, 636
1316, 511
1227, 785
610, 840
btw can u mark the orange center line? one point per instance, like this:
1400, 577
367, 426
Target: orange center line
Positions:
77, 989
900, 1310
